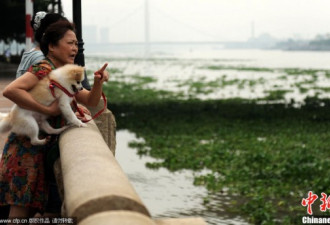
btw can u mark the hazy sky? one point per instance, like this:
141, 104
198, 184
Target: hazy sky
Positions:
205, 20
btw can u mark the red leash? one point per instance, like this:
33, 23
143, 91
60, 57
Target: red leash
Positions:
54, 84
81, 113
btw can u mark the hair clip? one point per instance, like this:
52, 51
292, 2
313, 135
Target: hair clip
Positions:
37, 20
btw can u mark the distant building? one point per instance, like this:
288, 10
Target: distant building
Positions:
104, 35
90, 34
263, 41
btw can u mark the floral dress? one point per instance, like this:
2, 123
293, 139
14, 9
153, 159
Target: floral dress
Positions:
23, 166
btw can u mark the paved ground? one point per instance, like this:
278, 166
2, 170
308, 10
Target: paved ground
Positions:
5, 104
7, 74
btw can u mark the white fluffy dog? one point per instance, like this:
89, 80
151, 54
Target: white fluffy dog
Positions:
26, 122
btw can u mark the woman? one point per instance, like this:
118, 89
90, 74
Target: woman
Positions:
39, 23
22, 178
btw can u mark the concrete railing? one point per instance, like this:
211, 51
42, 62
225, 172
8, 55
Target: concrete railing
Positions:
94, 187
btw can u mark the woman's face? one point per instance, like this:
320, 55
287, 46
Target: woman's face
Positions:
66, 49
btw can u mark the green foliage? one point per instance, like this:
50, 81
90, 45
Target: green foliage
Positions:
298, 71
135, 91
220, 67
12, 18
270, 155
276, 94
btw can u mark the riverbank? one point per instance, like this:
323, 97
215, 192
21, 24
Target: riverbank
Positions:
268, 156
236, 117
179, 197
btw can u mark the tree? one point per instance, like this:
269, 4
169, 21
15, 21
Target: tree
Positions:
12, 18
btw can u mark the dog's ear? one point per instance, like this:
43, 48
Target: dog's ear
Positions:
80, 73
83, 69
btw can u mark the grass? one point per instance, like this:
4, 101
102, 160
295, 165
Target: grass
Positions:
276, 94
270, 155
221, 67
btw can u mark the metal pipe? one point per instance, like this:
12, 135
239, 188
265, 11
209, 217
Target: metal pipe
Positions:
80, 58
28, 28
76, 7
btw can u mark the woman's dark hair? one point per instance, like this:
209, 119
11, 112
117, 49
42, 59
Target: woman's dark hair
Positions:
42, 25
54, 33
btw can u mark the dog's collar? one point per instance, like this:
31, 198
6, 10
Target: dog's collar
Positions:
54, 84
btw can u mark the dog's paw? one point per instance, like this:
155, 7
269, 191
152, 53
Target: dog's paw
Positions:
78, 123
83, 125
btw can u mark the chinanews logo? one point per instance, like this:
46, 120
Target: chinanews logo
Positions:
324, 206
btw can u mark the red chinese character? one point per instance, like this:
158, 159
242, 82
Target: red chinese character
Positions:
326, 202
309, 201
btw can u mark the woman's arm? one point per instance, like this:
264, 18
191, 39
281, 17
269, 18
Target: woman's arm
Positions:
17, 91
92, 97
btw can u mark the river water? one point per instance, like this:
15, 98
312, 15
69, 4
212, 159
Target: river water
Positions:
247, 57
248, 74
168, 194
